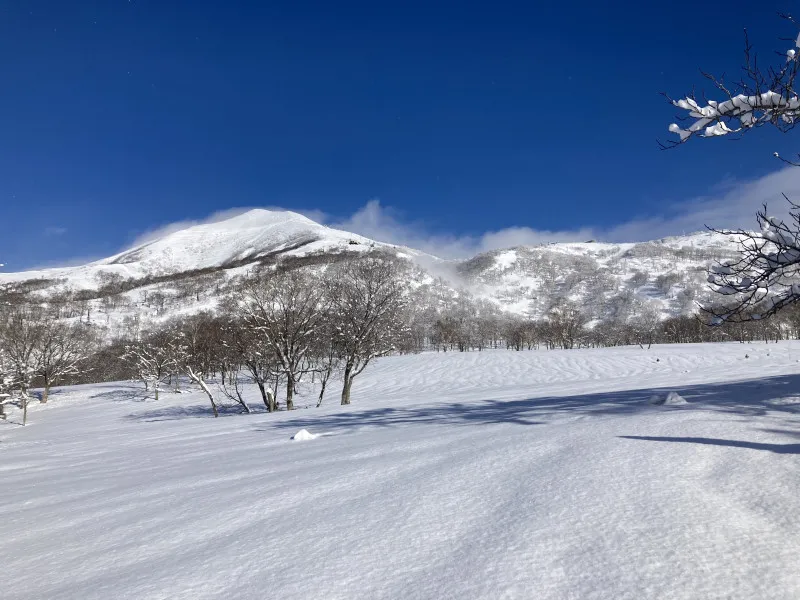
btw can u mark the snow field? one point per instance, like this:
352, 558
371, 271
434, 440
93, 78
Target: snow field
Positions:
495, 474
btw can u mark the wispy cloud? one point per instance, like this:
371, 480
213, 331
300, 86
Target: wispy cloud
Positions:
730, 204
54, 231
386, 224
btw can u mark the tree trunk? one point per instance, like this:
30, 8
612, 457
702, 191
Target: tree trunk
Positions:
348, 383
210, 397
156, 390
267, 396
324, 381
198, 379
45, 393
289, 393
263, 394
239, 396
24, 407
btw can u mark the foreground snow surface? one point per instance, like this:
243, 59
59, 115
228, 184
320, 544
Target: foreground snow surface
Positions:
480, 475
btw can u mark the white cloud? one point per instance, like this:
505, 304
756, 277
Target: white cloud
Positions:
54, 231
385, 224
731, 204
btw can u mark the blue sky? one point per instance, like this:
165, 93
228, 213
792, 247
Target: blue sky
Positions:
463, 119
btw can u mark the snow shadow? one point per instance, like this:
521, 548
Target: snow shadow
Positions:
776, 448
123, 395
196, 411
749, 398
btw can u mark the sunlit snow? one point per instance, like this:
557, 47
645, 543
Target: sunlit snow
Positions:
495, 474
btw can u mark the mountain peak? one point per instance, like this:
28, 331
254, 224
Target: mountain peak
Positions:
227, 240
260, 217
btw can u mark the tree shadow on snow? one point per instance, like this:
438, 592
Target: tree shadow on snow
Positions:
124, 395
748, 398
776, 448
172, 413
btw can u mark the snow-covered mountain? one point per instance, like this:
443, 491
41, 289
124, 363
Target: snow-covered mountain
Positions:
601, 279
605, 280
246, 238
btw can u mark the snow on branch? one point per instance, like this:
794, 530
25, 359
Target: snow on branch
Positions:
761, 97
766, 276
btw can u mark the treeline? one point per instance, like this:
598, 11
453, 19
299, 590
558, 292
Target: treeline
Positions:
277, 327
466, 324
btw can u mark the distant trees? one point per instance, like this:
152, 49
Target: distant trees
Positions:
61, 352
35, 347
154, 358
565, 325
6, 381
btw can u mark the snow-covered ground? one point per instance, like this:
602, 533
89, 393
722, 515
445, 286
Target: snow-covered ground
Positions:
481, 475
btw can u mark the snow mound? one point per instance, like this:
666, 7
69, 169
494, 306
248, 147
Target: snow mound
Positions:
304, 435
671, 399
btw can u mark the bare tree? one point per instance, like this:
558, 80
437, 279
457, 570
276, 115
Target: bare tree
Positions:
61, 352
244, 347
6, 381
566, 323
646, 324
286, 310
198, 341
368, 298
20, 337
764, 279
326, 354
153, 358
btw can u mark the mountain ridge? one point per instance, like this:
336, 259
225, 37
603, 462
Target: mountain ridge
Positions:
668, 273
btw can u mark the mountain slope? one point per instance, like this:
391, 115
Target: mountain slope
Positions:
249, 237
604, 280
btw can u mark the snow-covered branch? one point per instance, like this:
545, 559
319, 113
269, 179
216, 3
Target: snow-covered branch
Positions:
766, 277
761, 97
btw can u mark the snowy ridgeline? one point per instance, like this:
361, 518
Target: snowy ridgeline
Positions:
188, 270
544, 475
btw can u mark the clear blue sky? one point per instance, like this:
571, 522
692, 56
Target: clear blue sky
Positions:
119, 116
